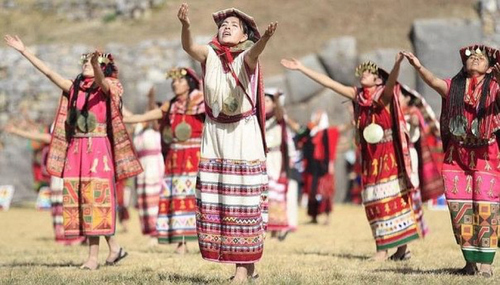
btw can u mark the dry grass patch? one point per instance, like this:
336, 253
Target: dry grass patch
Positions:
315, 254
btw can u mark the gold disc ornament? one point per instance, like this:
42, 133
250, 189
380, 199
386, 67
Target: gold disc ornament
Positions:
183, 131
457, 126
86, 124
230, 105
373, 133
166, 135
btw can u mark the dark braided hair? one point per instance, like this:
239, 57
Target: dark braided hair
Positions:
457, 91
485, 92
109, 69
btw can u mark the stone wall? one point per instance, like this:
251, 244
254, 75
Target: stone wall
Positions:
79, 10
143, 65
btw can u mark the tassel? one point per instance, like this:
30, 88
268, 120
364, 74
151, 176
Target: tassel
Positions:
89, 145
94, 166
106, 167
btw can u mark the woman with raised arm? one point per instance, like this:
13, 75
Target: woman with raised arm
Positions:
386, 167
56, 187
148, 184
232, 179
471, 168
90, 149
181, 126
280, 148
318, 143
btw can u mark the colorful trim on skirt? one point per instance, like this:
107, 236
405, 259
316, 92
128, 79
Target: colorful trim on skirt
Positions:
389, 210
231, 217
148, 199
278, 218
472, 179
177, 209
56, 198
89, 207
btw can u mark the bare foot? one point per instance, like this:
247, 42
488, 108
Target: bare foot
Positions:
90, 264
485, 270
113, 255
401, 254
243, 273
181, 248
381, 255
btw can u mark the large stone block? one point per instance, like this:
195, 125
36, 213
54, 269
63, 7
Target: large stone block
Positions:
299, 112
384, 58
336, 106
301, 87
339, 56
436, 43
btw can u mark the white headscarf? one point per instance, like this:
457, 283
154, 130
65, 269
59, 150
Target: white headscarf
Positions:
322, 124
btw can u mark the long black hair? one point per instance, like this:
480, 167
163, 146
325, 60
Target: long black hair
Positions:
457, 93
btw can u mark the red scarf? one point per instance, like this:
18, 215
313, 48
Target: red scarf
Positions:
226, 55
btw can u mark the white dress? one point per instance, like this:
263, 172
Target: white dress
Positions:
232, 180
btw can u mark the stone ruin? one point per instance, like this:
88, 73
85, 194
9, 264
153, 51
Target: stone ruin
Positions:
435, 41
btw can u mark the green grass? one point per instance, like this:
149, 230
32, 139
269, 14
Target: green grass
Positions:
315, 254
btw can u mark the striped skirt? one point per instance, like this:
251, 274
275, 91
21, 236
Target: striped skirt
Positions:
390, 212
231, 217
176, 216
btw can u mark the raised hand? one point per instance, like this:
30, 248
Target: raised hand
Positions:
151, 92
412, 59
15, 43
270, 30
94, 59
183, 14
399, 57
292, 64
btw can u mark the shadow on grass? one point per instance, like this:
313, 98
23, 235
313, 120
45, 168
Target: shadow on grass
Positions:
337, 255
33, 264
197, 279
412, 271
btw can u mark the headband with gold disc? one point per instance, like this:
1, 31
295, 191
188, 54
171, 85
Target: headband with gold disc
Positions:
176, 73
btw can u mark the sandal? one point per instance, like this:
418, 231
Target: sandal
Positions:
121, 255
405, 256
466, 272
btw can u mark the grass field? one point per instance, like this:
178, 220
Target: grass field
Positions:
315, 254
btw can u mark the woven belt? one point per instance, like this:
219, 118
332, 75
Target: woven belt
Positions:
226, 119
99, 132
474, 142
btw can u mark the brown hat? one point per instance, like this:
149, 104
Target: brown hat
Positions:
220, 16
492, 53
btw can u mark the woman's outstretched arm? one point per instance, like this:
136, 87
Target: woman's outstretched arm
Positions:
16, 43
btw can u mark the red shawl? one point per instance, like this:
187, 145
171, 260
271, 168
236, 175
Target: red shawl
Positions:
124, 157
400, 132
